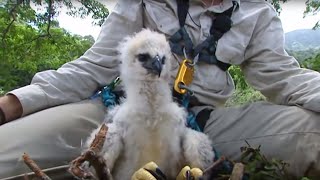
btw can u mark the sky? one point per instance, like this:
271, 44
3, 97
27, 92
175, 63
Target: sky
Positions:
291, 16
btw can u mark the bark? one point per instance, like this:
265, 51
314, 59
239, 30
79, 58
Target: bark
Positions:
237, 172
92, 155
34, 167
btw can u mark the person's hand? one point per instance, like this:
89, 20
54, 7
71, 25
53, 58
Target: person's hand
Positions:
10, 108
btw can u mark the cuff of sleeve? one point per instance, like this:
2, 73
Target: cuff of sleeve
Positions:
31, 97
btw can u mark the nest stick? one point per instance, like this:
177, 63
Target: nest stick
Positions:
34, 167
214, 165
237, 172
92, 156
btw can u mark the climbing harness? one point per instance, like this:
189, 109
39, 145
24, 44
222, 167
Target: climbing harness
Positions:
182, 45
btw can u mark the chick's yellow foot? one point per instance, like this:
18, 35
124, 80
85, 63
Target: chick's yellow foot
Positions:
188, 173
150, 171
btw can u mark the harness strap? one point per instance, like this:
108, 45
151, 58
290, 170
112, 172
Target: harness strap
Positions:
181, 44
183, 6
206, 50
202, 118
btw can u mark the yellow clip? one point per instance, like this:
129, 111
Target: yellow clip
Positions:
184, 76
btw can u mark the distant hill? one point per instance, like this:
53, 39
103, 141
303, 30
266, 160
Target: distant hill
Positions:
302, 39
303, 43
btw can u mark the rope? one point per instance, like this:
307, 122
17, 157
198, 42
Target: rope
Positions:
108, 95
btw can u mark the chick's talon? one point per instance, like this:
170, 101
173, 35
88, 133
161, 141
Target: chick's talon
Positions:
187, 173
149, 171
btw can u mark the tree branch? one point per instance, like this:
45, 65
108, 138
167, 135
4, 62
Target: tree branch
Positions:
237, 172
12, 15
94, 159
215, 164
51, 13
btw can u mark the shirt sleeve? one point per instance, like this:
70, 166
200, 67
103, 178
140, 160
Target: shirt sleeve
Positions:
269, 69
78, 79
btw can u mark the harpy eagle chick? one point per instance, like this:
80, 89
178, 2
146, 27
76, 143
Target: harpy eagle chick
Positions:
148, 125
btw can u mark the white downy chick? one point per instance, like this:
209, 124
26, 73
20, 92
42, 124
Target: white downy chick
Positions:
148, 125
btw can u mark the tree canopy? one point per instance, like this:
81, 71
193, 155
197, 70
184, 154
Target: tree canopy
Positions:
312, 7
32, 41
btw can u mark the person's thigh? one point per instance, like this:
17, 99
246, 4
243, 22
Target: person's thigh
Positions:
51, 137
285, 132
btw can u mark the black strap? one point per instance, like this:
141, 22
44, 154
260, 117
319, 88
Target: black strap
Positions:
183, 7
202, 118
206, 50
222, 23
181, 40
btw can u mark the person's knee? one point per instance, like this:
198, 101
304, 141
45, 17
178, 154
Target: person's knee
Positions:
51, 137
307, 154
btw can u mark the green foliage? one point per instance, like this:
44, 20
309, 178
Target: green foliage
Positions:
312, 63
98, 11
259, 167
2, 92
18, 9
312, 7
302, 55
244, 96
244, 93
28, 46
276, 5
238, 77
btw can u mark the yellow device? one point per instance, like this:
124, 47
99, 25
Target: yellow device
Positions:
184, 76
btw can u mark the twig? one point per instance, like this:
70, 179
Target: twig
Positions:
255, 150
25, 177
34, 167
237, 172
13, 16
51, 12
98, 141
93, 157
214, 165
5, 31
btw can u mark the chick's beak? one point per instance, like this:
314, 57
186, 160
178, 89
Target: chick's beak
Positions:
156, 65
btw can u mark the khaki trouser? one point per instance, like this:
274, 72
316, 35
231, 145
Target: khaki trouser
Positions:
54, 136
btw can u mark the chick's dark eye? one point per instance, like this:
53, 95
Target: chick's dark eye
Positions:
143, 57
163, 60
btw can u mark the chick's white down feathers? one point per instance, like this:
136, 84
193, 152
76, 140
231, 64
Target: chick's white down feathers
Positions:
148, 125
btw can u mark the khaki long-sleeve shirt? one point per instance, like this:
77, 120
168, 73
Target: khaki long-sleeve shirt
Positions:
255, 41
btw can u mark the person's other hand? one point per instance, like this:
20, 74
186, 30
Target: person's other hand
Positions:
10, 108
